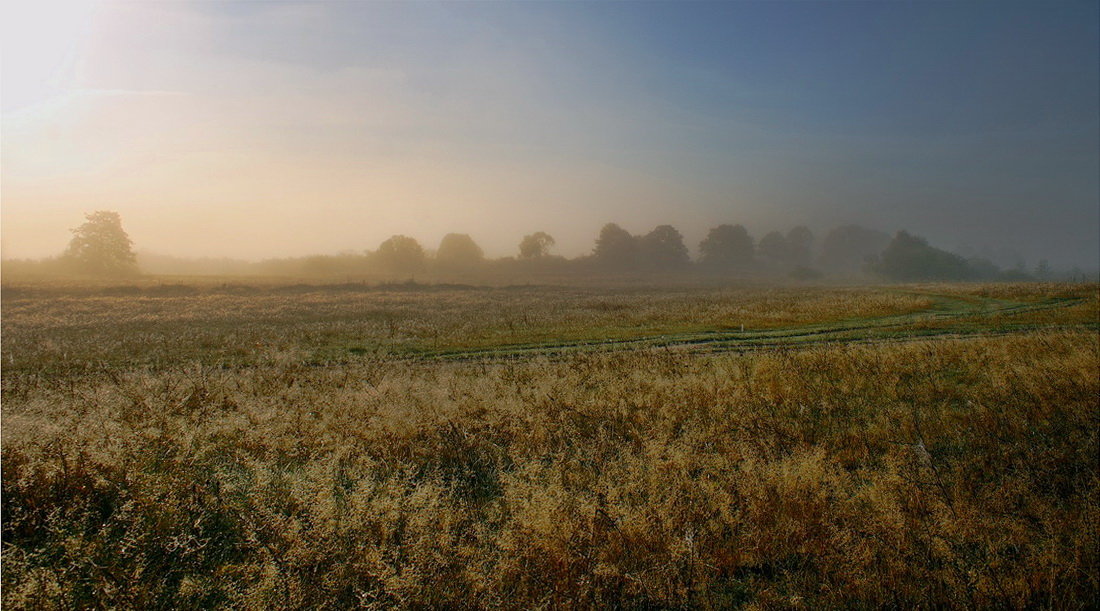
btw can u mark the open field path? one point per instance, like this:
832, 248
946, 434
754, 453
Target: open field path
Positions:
950, 316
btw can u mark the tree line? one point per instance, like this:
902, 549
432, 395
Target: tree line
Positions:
726, 250
100, 246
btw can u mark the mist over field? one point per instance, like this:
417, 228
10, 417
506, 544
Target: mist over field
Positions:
549, 305
286, 129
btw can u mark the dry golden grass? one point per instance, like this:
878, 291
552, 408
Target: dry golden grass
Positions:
924, 474
56, 332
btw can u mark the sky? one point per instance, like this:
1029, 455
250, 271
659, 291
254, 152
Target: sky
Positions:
269, 129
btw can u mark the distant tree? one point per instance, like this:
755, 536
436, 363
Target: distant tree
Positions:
1003, 256
726, 246
1042, 270
804, 273
100, 246
983, 269
773, 247
319, 265
664, 248
909, 258
799, 243
1015, 275
851, 247
400, 254
615, 247
536, 245
458, 251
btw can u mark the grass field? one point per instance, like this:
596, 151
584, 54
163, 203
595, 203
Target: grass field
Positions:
208, 445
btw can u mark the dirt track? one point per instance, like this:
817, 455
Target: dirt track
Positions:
949, 317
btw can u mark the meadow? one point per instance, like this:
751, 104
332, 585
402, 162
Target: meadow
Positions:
236, 445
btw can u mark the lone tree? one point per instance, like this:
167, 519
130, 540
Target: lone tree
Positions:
536, 245
726, 246
100, 246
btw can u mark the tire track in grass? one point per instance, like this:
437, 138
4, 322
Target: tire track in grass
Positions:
940, 321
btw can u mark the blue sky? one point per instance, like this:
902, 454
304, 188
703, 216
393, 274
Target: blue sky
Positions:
330, 125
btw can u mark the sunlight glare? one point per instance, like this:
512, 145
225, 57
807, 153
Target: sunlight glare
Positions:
42, 44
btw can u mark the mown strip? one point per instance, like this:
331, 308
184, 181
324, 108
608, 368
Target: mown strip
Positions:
946, 315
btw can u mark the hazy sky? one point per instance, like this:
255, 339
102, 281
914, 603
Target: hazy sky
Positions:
260, 129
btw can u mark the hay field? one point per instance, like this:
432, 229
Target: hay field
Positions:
204, 446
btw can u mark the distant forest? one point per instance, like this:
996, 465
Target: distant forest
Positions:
100, 247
